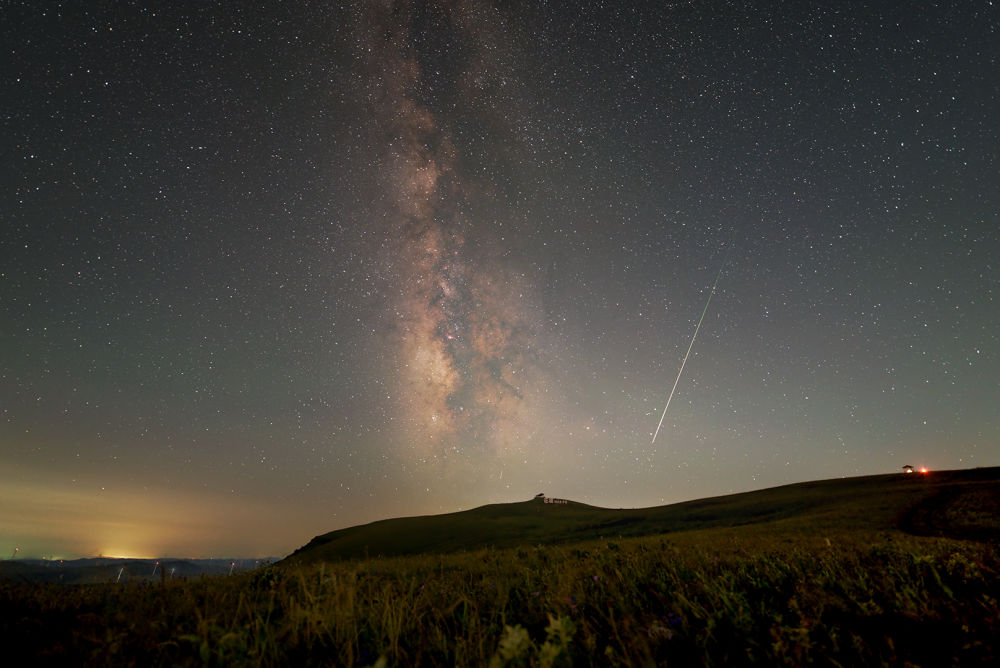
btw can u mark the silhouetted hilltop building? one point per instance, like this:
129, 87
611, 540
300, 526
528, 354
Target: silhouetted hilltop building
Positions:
548, 499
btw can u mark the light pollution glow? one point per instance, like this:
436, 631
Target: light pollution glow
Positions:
57, 519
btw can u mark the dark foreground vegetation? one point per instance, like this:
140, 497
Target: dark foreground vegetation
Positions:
783, 592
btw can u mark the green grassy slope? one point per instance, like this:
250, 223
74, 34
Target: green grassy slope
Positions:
955, 503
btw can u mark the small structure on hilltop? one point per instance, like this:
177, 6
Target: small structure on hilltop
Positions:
548, 499
540, 495
907, 468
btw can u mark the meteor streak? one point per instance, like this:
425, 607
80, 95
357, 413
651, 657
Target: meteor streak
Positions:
690, 346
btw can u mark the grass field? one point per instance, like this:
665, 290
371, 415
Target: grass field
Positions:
872, 502
780, 577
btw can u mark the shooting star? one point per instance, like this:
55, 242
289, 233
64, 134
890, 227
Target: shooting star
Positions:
690, 346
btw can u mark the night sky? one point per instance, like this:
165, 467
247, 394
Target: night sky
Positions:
270, 272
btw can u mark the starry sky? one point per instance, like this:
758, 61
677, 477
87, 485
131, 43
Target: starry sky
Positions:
270, 271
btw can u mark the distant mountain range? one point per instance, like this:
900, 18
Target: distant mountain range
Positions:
963, 504
107, 569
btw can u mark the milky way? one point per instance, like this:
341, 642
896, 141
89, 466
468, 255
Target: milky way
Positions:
463, 331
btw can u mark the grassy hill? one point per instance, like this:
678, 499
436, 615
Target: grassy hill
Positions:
963, 503
825, 573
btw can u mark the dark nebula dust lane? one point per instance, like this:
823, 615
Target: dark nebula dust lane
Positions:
299, 267
463, 337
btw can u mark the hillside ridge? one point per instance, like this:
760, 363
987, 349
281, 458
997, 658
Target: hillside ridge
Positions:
917, 503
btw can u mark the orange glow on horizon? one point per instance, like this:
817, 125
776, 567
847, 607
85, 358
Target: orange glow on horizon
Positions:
124, 555
62, 519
